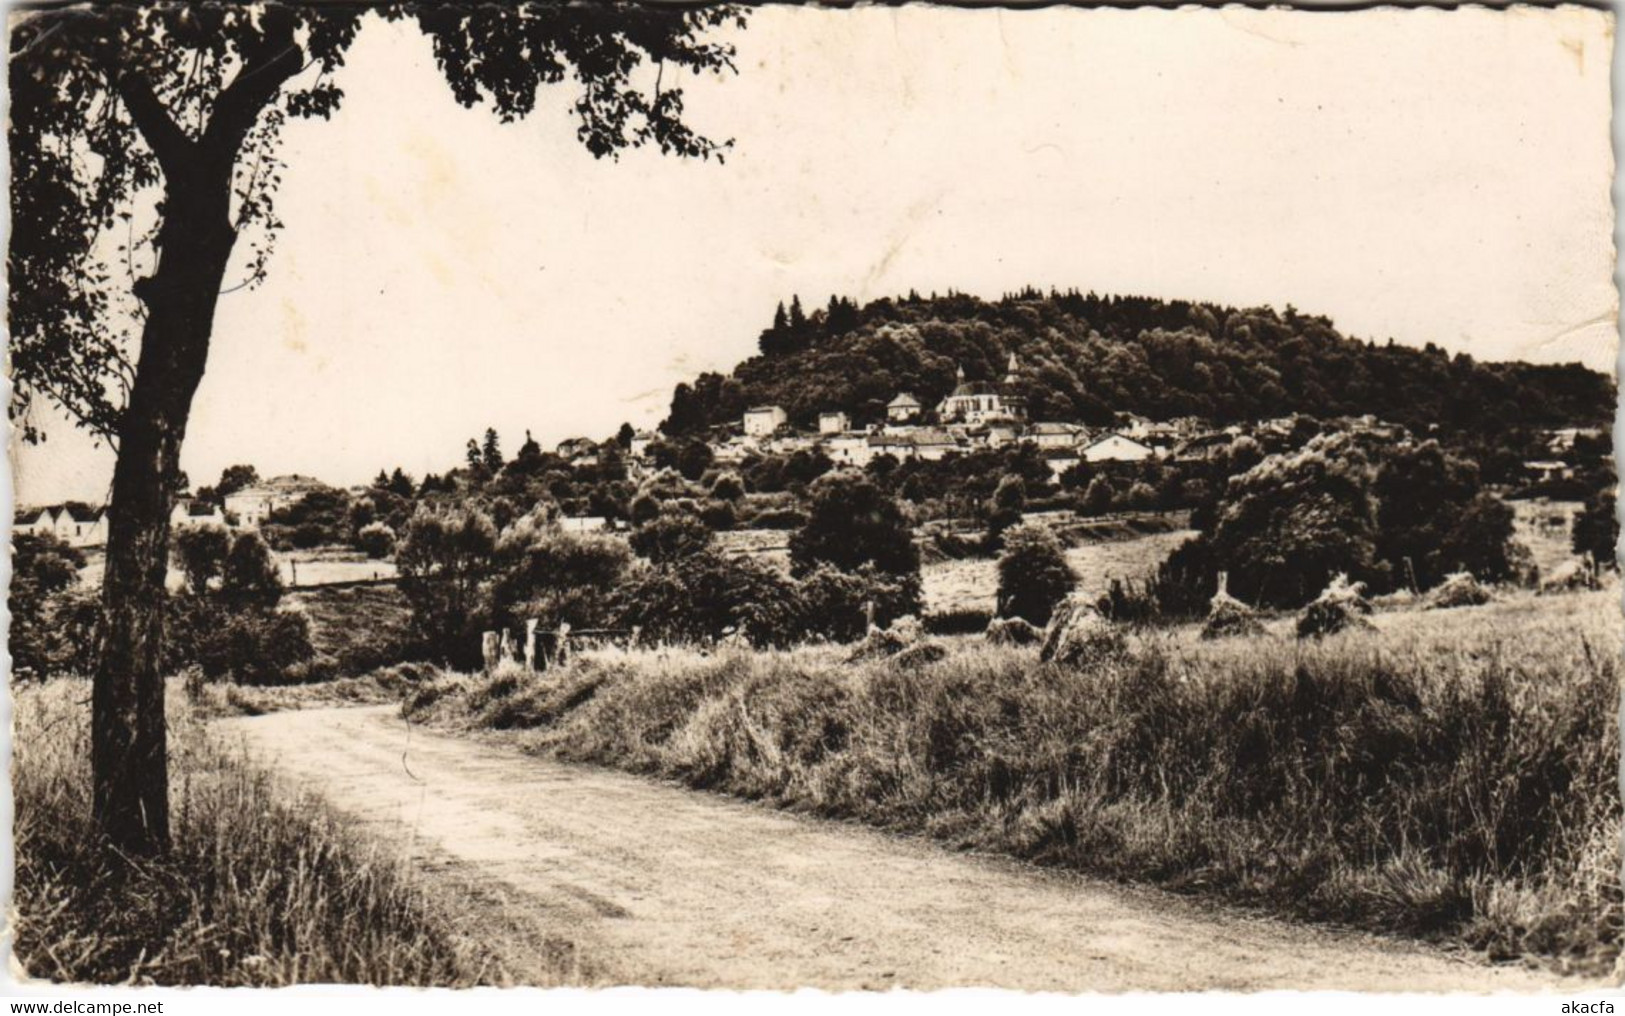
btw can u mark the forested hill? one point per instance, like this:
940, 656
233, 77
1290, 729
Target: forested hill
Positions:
1085, 358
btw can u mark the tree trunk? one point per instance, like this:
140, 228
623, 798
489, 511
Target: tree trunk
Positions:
128, 741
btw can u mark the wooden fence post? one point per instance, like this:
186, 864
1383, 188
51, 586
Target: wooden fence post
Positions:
490, 648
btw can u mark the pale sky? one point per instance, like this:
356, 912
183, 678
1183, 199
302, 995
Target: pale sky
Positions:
1424, 175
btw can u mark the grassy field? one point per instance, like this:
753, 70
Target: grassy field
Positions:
262, 887
358, 627
972, 583
1451, 775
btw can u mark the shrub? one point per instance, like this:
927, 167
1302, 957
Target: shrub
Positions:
259, 647
833, 604
200, 553
850, 522
1099, 497
705, 596
445, 559
375, 539
249, 578
1596, 530
554, 576
41, 568
1033, 574
959, 621
673, 534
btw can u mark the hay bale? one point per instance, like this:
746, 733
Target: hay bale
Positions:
1012, 631
1341, 606
1571, 576
1228, 617
919, 655
877, 645
1459, 589
1079, 633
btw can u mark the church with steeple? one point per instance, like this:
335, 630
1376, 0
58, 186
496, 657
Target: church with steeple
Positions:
978, 402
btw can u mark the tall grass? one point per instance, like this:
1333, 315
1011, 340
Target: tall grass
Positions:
260, 888
1454, 777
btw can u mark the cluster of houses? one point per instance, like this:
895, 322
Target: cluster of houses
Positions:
976, 414
81, 525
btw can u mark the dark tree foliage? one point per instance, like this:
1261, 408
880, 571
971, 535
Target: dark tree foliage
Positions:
1033, 574
42, 567
850, 523
124, 113
1596, 529
673, 533
200, 553
249, 579
1087, 358
445, 559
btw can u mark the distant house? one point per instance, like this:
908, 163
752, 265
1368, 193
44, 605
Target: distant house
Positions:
576, 448
905, 408
583, 523
899, 446
34, 522
933, 445
189, 514
834, 423
762, 421
1543, 470
1055, 435
251, 506
849, 450
77, 525
1059, 462
1116, 447
641, 442
997, 435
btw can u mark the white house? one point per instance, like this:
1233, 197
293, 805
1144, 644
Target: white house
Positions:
1117, 448
1055, 435
761, 421
640, 443
849, 450
905, 408
934, 445
191, 514
834, 423
252, 505
583, 523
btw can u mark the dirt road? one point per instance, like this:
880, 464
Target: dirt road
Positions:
660, 885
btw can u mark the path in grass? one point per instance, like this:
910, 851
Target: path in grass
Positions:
661, 885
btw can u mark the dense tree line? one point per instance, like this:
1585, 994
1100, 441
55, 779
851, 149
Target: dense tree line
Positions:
1087, 358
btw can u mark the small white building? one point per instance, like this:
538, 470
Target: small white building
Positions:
1117, 448
640, 444
251, 506
1056, 435
583, 524
189, 514
934, 445
834, 423
905, 408
851, 450
762, 421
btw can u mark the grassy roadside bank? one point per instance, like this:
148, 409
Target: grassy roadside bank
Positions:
1452, 777
262, 887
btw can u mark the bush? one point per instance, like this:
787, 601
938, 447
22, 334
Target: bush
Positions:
1033, 574
445, 559
249, 578
833, 603
706, 596
200, 553
42, 567
959, 621
375, 539
259, 648
672, 534
850, 523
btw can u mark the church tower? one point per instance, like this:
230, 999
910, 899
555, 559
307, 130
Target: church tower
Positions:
1011, 370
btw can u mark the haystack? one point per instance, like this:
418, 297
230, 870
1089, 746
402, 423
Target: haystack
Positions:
1341, 606
919, 654
1459, 589
1012, 631
1228, 616
1079, 633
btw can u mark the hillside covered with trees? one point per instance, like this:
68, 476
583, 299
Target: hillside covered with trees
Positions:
1087, 358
